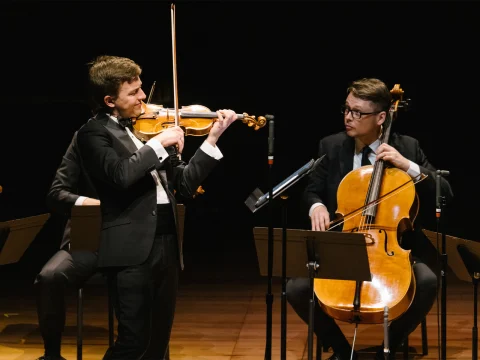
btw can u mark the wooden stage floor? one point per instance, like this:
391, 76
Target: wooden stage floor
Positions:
220, 317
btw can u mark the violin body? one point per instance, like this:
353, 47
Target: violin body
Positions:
393, 281
195, 120
156, 119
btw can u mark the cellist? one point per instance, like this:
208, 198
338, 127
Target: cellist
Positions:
365, 110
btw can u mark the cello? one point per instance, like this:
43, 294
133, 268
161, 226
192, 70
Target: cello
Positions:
381, 203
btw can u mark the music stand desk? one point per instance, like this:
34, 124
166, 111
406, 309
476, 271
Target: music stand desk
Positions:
86, 224
20, 234
455, 261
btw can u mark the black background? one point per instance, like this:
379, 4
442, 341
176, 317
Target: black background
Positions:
293, 60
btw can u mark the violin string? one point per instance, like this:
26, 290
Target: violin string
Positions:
378, 201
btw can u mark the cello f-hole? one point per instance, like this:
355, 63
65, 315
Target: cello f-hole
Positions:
391, 253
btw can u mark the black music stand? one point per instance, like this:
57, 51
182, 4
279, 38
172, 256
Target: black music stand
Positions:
255, 201
464, 261
17, 235
470, 254
315, 254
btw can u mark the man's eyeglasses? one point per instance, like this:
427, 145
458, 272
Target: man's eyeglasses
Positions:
355, 113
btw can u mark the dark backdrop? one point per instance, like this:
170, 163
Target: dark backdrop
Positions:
290, 59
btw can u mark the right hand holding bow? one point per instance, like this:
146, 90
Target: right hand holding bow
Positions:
172, 136
320, 218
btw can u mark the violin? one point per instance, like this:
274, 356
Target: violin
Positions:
379, 202
195, 120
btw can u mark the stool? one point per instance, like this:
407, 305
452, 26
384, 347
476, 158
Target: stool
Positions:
80, 318
325, 348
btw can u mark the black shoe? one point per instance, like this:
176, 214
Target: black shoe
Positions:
336, 356
45, 357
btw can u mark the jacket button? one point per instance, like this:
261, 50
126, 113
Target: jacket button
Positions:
154, 213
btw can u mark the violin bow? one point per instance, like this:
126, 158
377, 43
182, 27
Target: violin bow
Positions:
174, 64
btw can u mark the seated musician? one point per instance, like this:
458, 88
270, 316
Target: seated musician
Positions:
366, 107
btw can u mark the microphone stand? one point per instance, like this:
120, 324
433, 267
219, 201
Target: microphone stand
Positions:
443, 263
269, 296
283, 331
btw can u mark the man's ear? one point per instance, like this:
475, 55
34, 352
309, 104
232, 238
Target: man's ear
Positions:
381, 118
109, 101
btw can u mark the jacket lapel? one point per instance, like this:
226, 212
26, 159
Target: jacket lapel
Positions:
117, 131
346, 156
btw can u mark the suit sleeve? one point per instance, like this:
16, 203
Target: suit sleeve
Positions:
188, 177
317, 180
99, 156
63, 192
427, 187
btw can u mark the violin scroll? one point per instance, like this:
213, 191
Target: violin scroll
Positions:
251, 121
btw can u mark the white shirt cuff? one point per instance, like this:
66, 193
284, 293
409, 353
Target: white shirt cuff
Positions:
313, 207
213, 151
413, 170
80, 200
162, 154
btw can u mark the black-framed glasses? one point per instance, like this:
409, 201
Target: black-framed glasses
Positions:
355, 113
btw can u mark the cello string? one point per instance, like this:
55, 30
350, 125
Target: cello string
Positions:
374, 203
419, 178
402, 187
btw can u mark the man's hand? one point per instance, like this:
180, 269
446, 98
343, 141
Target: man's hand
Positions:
90, 202
320, 218
172, 136
390, 154
224, 120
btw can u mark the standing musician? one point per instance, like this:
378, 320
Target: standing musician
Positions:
135, 184
365, 110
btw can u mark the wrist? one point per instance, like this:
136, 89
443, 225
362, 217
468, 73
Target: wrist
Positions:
212, 140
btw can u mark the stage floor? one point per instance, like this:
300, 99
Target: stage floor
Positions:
220, 317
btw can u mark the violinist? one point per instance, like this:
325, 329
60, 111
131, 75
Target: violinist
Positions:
136, 184
365, 110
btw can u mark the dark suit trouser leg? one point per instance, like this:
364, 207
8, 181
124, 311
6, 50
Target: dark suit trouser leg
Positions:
298, 295
145, 303
62, 270
426, 290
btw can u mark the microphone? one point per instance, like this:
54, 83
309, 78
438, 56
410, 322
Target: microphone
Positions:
440, 173
271, 137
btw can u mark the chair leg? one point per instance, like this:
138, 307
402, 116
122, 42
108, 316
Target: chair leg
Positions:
319, 349
110, 312
79, 322
424, 337
406, 348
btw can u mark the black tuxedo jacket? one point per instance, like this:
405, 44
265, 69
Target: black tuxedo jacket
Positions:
127, 191
70, 181
339, 150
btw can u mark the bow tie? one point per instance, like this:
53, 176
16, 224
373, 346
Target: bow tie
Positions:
125, 123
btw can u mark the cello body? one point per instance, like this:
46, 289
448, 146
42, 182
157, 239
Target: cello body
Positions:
393, 281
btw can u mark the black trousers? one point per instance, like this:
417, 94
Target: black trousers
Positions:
299, 293
62, 270
145, 298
